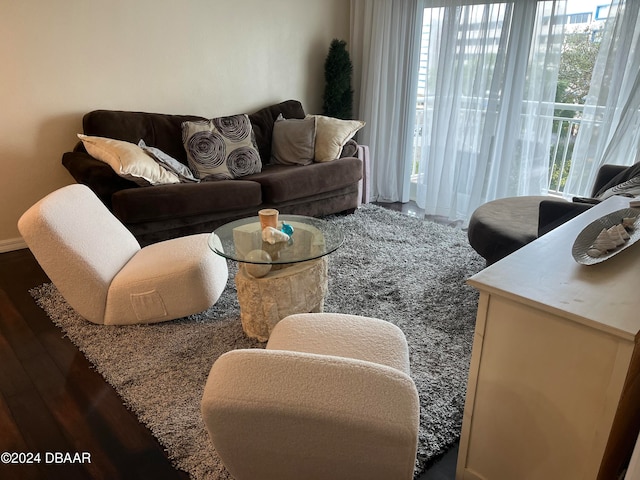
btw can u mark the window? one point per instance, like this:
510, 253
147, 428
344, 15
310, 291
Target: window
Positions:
485, 106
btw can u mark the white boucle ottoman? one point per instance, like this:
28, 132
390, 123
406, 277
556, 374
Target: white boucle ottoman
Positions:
343, 335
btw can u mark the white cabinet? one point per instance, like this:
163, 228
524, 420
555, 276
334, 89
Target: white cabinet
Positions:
554, 383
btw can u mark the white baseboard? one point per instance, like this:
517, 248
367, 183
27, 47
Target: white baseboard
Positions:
12, 244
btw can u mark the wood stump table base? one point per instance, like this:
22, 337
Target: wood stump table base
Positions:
296, 288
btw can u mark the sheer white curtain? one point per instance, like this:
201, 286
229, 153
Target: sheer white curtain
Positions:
384, 46
610, 127
490, 84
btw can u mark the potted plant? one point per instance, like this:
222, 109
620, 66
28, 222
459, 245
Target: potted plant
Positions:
338, 95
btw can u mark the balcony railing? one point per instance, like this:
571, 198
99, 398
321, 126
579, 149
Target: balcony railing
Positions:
566, 124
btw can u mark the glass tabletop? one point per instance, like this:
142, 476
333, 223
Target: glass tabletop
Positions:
242, 241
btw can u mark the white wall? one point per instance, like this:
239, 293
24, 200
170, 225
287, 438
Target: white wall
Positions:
61, 59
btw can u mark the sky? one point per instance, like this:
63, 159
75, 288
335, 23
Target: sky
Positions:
579, 6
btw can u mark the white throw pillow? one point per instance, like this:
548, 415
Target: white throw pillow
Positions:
331, 135
128, 160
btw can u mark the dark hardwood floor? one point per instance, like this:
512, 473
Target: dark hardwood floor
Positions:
51, 400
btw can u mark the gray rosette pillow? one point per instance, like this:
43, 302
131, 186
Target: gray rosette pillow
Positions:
221, 148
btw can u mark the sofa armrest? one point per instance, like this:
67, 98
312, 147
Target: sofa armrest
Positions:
606, 173
350, 149
553, 213
97, 175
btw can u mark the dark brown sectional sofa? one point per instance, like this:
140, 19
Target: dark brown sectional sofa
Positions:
160, 212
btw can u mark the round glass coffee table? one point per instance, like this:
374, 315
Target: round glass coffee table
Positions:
277, 279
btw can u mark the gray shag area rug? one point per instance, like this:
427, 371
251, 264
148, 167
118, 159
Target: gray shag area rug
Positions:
405, 270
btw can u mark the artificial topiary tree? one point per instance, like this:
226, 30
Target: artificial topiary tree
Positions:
338, 95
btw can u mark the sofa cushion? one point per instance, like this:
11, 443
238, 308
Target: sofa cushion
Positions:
282, 183
293, 141
221, 148
164, 202
157, 129
128, 161
263, 120
331, 136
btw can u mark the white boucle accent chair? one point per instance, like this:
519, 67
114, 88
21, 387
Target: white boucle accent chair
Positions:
329, 398
101, 271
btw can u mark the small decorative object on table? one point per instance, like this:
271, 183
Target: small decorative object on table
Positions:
268, 217
286, 228
272, 235
606, 237
262, 264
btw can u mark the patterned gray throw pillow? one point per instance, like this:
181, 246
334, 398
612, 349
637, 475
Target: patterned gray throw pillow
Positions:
221, 148
168, 162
